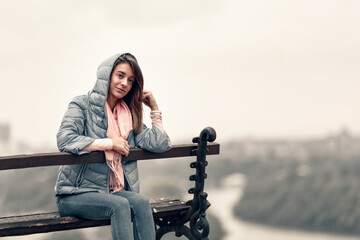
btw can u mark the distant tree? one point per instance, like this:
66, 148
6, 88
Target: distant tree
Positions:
162, 188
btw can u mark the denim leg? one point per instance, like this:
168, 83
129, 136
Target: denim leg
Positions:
94, 205
143, 221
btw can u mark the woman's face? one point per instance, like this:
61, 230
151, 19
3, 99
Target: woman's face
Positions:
121, 81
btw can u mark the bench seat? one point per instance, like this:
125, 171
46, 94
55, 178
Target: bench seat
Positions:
49, 222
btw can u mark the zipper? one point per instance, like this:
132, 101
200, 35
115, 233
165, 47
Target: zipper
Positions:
80, 176
108, 181
126, 179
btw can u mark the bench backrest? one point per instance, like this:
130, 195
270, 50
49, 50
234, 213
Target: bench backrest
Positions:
59, 158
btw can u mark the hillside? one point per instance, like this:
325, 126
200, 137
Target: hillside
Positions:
308, 184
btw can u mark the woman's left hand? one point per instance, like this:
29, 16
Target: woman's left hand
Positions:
149, 100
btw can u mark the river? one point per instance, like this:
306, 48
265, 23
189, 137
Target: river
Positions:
224, 199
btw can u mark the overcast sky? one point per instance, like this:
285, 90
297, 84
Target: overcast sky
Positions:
247, 68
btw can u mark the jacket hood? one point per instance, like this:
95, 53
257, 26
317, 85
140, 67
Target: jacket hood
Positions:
98, 95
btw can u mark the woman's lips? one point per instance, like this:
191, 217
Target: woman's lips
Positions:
120, 90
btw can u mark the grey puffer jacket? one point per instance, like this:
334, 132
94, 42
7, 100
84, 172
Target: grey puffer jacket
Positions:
84, 121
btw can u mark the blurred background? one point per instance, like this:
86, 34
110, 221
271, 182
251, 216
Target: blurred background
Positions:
278, 80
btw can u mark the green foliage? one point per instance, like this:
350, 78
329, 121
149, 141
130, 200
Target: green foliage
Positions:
310, 185
29, 191
162, 188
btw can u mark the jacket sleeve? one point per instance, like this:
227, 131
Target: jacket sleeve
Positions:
153, 139
70, 137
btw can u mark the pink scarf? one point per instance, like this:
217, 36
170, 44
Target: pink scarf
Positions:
119, 125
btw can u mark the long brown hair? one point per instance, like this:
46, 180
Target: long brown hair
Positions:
134, 97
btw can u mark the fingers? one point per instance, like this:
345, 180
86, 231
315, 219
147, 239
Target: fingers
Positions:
149, 100
121, 145
125, 153
127, 149
147, 97
126, 144
146, 92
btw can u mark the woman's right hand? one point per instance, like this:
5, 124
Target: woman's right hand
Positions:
120, 145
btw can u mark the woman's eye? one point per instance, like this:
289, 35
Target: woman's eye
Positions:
131, 80
120, 76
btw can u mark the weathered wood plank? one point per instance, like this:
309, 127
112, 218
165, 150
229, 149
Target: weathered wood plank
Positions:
154, 201
49, 222
59, 158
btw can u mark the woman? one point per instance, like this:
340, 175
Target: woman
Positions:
109, 118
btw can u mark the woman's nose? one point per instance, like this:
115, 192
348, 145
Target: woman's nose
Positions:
124, 82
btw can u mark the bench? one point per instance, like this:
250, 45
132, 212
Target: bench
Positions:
170, 214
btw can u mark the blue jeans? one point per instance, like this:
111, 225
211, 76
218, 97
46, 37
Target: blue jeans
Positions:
119, 207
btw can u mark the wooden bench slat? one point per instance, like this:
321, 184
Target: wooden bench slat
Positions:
162, 200
29, 217
49, 222
61, 158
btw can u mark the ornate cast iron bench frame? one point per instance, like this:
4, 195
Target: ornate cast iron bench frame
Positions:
170, 214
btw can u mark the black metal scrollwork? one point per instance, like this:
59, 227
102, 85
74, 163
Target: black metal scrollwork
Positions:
199, 226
